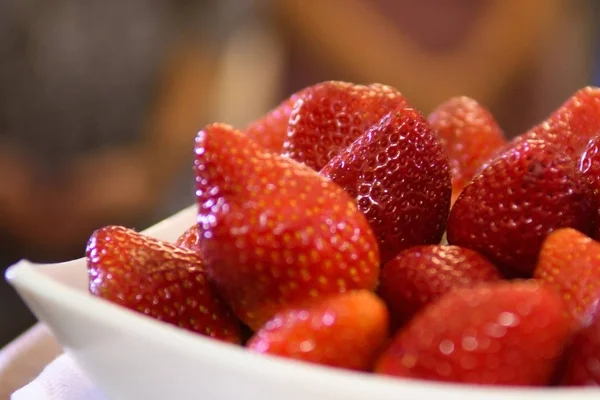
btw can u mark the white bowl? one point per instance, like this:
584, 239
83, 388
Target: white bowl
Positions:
131, 356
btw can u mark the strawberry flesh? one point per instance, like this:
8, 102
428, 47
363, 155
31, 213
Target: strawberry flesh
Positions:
189, 239
157, 279
274, 233
589, 165
570, 126
570, 262
509, 333
344, 331
507, 211
398, 173
421, 274
270, 131
330, 115
583, 361
469, 134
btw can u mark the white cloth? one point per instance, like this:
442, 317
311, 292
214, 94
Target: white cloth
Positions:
60, 380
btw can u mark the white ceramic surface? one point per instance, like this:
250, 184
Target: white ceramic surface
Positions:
131, 356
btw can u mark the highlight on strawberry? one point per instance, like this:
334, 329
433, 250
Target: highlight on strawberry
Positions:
397, 172
319, 238
276, 234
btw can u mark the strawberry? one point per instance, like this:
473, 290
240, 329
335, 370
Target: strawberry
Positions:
157, 279
398, 173
589, 165
572, 125
345, 331
421, 274
274, 233
189, 239
270, 131
583, 360
508, 333
329, 116
507, 211
470, 136
570, 262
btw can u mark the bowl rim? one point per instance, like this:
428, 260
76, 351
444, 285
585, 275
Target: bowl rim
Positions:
29, 277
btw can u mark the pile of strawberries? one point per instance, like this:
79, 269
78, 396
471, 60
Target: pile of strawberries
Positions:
319, 237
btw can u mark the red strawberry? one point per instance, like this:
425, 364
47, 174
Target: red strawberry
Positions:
274, 233
345, 331
509, 333
398, 174
589, 165
189, 239
572, 125
507, 211
470, 136
570, 262
157, 279
421, 274
329, 116
271, 130
583, 362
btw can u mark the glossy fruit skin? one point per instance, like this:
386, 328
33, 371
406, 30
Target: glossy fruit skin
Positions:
157, 279
422, 274
343, 331
274, 233
507, 211
572, 125
509, 333
583, 361
589, 165
399, 175
270, 131
569, 262
190, 239
330, 115
470, 136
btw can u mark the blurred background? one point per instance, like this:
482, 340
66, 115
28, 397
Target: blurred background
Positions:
100, 100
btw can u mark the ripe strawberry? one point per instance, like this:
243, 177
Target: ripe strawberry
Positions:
508, 333
274, 233
271, 130
345, 331
470, 136
189, 239
583, 362
329, 116
516, 201
398, 174
572, 125
421, 274
589, 165
157, 279
570, 262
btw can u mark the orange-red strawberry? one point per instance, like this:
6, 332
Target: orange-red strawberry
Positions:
507, 210
508, 333
157, 279
330, 115
274, 233
398, 173
189, 239
421, 274
589, 165
470, 135
344, 331
583, 360
572, 125
570, 262
270, 131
